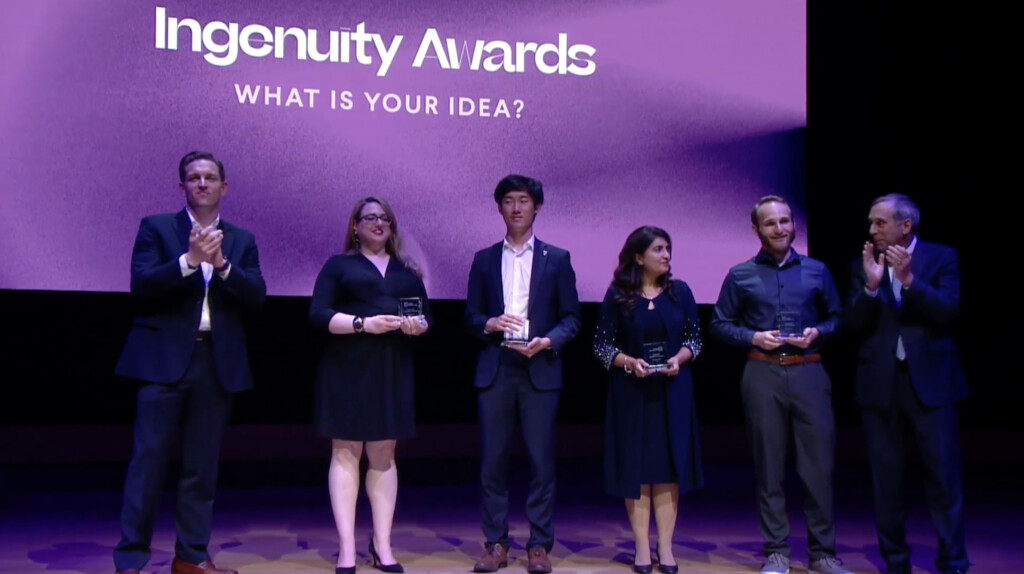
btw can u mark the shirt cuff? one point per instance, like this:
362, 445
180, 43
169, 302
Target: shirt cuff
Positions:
185, 269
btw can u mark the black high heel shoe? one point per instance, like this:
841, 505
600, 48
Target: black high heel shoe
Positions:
666, 568
344, 570
643, 569
396, 567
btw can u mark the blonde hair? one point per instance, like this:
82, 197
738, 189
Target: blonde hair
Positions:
393, 246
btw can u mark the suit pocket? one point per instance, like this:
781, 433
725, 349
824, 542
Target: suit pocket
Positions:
940, 347
143, 324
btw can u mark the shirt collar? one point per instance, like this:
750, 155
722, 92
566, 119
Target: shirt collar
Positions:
506, 246
764, 258
192, 218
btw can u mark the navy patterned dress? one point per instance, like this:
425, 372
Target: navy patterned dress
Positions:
651, 423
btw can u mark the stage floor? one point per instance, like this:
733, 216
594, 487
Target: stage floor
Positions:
272, 519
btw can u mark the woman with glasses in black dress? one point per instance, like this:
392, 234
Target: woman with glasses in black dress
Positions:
370, 302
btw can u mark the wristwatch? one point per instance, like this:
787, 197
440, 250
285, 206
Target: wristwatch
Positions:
224, 267
357, 324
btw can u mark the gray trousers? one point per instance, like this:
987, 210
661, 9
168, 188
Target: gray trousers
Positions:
776, 399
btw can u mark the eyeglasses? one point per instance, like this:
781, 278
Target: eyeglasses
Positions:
374, 218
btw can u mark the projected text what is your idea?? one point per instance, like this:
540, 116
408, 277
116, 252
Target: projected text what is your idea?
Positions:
379, 102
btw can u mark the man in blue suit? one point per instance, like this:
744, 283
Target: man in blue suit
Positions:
522, 303
904, 297
193, 277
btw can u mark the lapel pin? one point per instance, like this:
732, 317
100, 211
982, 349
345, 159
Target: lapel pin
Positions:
544, 252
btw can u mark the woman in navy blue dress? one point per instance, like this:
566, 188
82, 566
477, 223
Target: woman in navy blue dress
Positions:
652, 452
364, 382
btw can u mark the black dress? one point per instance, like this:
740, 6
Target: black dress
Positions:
656, 464
364, 382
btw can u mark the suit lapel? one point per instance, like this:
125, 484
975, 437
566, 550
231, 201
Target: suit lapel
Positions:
540, 262
183, 228
497, 295
919, 259
229, 240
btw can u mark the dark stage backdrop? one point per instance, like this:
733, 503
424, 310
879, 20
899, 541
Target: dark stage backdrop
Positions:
677, 114
897, 102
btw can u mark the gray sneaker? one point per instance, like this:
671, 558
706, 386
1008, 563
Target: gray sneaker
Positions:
775, 564
828, 565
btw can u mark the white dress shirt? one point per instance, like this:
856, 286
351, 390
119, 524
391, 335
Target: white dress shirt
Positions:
516, 270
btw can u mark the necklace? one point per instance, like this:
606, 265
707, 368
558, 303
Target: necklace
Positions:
650, 292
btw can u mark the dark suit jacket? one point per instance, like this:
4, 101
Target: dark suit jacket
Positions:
923, 319
168, 306
554, 310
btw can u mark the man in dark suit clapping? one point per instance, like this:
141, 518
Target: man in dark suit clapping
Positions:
193, 277
904, 297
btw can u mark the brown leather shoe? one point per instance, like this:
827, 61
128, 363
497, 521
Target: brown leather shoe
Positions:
538, 562
206, 567
495, 556
128, 571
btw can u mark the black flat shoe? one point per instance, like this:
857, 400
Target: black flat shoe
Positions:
645, 569
395, 568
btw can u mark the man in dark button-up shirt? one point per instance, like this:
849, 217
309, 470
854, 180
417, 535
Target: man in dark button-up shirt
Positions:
779, 306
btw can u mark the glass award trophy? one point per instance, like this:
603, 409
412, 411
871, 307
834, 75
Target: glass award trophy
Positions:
410, 306
790, 325
656, 356
520, 338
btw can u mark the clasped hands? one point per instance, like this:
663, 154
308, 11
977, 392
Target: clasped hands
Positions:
511, 324
771, 340
204, 244
639, 367
380, 324
896, 256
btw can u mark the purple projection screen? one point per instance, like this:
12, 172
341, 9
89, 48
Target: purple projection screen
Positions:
676, 114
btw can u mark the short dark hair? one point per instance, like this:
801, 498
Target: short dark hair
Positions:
197, 155
905, 209
513, 182
766, 199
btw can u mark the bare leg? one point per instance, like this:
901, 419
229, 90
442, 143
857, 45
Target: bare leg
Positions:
639, 511
382, 490
665, 499
343, 485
